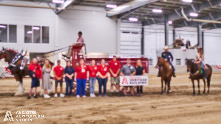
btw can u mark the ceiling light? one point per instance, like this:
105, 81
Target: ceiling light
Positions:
188, 1
132, 19
57, 1
170, 22
194, 14
2, 26
111, 6
36, 28
157, 10
29, 32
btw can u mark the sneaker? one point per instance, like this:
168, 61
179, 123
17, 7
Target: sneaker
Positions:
62, 95
117, 91
55, 95
112, 91
35, 96
91, 95
84, 96
78, 96
46, 96
28, 97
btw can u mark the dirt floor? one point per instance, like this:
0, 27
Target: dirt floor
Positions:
179, 107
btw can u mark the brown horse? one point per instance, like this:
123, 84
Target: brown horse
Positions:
165, 73
195, 74
9, 55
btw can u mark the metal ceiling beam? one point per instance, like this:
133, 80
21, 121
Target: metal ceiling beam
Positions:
64, 6
128, 7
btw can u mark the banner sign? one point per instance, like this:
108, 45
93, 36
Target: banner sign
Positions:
133, 80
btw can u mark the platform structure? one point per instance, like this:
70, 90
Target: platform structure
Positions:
78, 53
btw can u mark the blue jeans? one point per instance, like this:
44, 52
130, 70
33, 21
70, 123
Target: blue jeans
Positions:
69, 87
202, 67
81, 85
92, 82
102, 82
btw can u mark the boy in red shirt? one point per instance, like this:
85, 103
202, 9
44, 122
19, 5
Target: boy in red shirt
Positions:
103, 72
92, 77
114, 67
35, 74
58, 76
81, 76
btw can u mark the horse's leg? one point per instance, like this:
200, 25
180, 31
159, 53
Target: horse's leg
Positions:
161, 86
168, 86
193, 87
165, 87
198, 87
204, 91
19, 81
208, 82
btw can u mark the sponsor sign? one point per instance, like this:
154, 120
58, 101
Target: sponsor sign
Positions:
133, 80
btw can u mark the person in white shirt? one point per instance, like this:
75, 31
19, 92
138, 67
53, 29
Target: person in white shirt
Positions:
80, 40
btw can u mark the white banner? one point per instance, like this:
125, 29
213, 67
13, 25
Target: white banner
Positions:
133, 80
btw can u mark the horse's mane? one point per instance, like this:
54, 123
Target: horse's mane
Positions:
12, 51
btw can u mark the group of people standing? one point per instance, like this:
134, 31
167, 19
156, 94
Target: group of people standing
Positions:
83, 73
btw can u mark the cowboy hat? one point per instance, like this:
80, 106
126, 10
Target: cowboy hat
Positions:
166, 48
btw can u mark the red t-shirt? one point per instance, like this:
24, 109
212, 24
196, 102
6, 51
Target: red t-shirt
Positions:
81, 72
92, 71
114, 66
103, 69
59, 71
37, 68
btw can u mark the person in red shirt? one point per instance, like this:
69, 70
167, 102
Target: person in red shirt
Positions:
35, 74
58, 76
103, 72
92, 77
81, 76
114, 67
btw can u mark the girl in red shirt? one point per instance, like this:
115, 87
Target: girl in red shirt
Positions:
92, 77
103, 72
81, 76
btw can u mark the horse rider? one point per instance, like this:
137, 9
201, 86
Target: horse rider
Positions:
80, 40
200, 60
168, 57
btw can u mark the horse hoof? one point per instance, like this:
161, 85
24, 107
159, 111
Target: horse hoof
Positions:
161, 93
194, 94
208, 91
204, 92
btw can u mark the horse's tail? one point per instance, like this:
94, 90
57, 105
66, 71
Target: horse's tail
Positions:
209, 75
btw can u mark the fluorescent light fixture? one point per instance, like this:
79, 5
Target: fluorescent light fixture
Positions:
111, 6
188, 1
170, 22
36, 28
194, 14
29, 32
57, 1
2, 26
132, 19
157, 10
